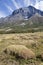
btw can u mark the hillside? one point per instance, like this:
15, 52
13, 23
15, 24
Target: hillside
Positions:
29, 43
27, 19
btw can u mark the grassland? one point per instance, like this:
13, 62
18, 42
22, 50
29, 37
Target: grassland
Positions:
33, 41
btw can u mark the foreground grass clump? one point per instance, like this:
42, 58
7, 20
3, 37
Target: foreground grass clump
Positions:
20, 51
41, 64
40, 56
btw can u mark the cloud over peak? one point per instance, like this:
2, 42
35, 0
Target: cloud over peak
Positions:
16, 4
39, 5
9, 6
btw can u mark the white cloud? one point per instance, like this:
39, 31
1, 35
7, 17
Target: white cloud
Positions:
9, 8
39, 5
33, 2
16, 4
27, 2
36, 1
2, 14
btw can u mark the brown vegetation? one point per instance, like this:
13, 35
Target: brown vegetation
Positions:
31, 41
20, 51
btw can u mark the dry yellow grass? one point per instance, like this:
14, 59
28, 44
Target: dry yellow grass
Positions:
32, 41
41, 64
20, 51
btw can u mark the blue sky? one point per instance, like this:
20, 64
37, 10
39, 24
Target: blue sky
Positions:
8, 6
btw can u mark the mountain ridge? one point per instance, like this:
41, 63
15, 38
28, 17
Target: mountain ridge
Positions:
23, 18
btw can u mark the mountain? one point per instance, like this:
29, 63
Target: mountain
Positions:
22, 19
27, 12
23, 13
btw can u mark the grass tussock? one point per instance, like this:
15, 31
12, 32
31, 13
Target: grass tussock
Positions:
20, 51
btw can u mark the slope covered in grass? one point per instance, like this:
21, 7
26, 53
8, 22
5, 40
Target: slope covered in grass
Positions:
33, 41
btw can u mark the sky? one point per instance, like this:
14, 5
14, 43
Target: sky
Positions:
8, 6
